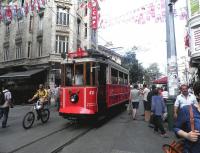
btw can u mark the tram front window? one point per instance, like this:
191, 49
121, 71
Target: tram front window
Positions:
69, 73
79, 75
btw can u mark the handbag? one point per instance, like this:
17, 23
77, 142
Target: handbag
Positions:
129, 108
178, 146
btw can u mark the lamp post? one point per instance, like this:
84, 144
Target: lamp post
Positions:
172, 68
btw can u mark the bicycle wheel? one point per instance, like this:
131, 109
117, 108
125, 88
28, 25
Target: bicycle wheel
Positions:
28, 120
45, 113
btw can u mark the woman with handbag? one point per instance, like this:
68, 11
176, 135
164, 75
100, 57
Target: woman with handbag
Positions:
134, 100
157, 111
187, 126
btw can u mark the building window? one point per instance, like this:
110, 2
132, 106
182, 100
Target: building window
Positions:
31, 24
18, 53
29, 49
5, 53
62, 44
93, 36
62, 17
39, 48
7, 29
86, 11
19, 26
78, 26
40, 24
85, 30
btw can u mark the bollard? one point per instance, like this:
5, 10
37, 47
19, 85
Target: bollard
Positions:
170, 113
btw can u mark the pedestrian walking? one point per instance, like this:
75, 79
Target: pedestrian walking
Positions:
196, 89
49, 94
147, 106
56, 96
185, 98
134, 100
165, 94
157, 110
149, 99
5, 105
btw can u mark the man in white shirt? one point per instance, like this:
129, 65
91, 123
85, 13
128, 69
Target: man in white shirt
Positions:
185, 98
165, 94
147, 105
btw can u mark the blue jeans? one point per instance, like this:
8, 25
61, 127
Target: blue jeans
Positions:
4, 113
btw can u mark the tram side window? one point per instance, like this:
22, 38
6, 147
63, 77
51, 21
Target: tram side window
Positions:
125, 79
79, 74
102, 74
69, 74
88, 74
121, 78
114, 76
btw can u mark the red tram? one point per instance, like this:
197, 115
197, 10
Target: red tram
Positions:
91, 84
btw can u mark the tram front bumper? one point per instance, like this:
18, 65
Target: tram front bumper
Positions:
76, 110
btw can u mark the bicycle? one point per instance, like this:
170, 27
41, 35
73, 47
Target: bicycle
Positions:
38, 110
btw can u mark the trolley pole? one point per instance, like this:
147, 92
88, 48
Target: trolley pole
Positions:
172, 68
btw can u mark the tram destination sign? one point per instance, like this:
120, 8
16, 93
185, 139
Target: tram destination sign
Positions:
78, 54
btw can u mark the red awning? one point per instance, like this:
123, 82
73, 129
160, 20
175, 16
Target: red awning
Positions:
161, 81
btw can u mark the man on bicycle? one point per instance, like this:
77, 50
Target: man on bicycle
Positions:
41, 94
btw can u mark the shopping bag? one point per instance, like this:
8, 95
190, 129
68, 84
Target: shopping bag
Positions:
174, 147
129, 108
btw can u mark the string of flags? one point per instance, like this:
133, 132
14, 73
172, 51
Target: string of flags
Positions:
154, 11
151, 12
18, 9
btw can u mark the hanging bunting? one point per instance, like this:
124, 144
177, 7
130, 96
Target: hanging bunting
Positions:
18, 9
8, 15
26, 8
151, 12
187, 39
1, 16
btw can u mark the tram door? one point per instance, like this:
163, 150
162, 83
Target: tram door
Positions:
102, 87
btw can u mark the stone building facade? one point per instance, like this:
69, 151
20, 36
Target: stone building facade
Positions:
37, 42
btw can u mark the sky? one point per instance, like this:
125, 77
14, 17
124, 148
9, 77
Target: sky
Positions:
149, 37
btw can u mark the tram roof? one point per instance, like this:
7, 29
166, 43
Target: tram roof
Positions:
95, 57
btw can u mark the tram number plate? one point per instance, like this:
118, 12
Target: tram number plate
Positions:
91, 92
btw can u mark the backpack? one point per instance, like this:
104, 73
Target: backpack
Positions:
149, 96
2, 98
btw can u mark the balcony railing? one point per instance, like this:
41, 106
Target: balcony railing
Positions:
63, 1
62, 28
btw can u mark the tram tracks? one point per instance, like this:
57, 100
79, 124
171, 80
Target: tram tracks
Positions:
56, 140
60, 148
41, 138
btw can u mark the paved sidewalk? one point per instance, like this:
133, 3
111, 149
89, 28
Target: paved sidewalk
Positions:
140, 138
121, 134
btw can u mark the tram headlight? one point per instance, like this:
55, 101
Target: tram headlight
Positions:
74, 98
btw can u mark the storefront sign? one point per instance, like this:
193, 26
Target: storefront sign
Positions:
94, 16
79, 53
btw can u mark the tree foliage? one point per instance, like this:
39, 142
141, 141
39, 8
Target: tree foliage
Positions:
152, 73
137, 73
135, 68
